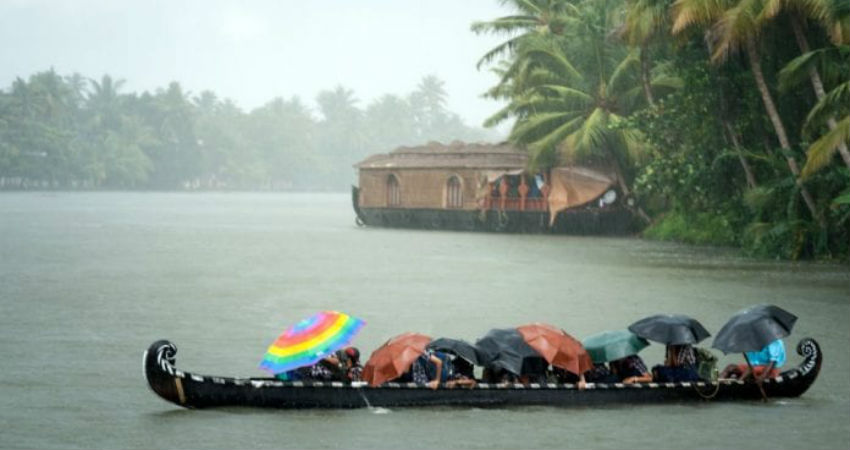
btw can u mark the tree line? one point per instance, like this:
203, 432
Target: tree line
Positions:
726, 121
71, 132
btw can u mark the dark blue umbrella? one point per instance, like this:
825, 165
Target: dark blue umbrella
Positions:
751, 329
670, 329
459, 348
506, 349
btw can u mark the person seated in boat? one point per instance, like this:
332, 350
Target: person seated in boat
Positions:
354, 370
498, 375
299, 374
600, 374
339, 366
679, 365
559, 375
630, 369
426, 369
534, 370
763, 364
461, 375
327, 369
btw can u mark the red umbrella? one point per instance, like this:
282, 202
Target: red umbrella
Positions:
557, 347
394, 358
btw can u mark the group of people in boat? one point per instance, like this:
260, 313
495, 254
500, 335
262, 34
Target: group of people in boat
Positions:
343, 365
681, 364
437, 368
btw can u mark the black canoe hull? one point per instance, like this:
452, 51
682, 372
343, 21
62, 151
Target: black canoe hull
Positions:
196, 391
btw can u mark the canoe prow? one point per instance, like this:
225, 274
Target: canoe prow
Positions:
807, 372
159, 363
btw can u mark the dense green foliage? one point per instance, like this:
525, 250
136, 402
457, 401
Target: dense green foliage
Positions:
724, 120
62, 132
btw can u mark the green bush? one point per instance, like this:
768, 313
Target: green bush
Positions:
699, 228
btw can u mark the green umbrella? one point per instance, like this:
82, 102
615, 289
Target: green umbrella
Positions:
613, 345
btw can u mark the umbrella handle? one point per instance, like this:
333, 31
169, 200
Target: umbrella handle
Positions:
758, 383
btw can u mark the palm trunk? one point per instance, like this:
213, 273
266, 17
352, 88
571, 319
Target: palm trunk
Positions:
751, 179
626, 192
772, 112
644, 74
733, 138
817, 84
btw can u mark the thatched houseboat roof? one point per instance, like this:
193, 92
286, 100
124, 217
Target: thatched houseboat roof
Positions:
457, 155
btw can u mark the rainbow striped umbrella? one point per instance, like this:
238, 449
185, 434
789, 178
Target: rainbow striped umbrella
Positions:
310, 340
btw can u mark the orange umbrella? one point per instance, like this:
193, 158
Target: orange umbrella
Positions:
557, 347
394, 358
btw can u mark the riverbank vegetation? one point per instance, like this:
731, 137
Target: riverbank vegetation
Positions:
726, 121
70, 132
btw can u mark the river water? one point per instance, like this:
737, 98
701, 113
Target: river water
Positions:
89, 280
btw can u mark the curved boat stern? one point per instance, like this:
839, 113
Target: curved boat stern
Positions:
159, 360
804, 375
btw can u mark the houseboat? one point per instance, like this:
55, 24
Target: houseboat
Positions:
485, 187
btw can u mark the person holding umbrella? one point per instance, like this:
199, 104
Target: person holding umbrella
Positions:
401, 357
630, 369
679, 333
620, 349
756, 332
427, 369
307, 349
464, 356
760, 365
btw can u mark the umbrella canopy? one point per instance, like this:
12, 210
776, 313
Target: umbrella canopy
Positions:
394, 358
670, 329
751, 329
310, 340
557, 347
457, 347
613, 345
506, 349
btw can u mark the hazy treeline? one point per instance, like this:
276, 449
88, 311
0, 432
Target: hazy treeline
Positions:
71, 132
726, 120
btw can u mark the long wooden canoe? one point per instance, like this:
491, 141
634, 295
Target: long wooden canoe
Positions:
190, 390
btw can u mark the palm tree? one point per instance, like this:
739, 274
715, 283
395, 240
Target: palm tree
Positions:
820, 153
829, 59
571, 93
428, 104
736, 25
531, 17
103, 101
645, 21
834, 19
341, 135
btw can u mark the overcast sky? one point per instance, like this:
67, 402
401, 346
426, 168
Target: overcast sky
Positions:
251, 51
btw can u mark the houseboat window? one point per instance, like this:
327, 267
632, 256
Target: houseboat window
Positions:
454, 193
393, 192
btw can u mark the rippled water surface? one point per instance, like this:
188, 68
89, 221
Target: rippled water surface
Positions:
89, 280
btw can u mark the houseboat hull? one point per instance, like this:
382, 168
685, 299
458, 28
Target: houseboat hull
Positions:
611, 220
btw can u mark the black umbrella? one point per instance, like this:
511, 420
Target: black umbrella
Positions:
670, 329
505, 348
457, 347
751, 329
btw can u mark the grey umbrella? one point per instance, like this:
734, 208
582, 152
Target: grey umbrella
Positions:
751, 329
670, 329
506, 349
458, 347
